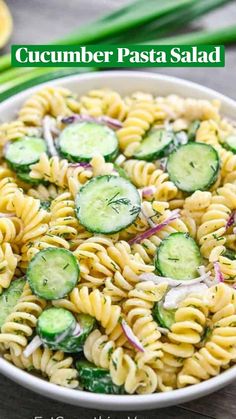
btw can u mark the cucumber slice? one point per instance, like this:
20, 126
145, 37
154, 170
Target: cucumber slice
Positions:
121, 171
230, 143
20, 154
165, 318
178, 257
107, 204
75, 343
25, 177
154, 145
192, 130
45, 205
82, 141
230, 254
96, 379
53, 273
9, 298
55, 325
193, 166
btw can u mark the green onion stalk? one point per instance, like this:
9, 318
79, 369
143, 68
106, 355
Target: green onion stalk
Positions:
38, 78
226, 35
137, 13
156, 21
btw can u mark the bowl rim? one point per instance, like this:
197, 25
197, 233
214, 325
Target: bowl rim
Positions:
103, 401
206, 91
119, 402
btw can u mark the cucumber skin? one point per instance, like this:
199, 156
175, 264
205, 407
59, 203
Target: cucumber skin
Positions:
45, 205
158, 317
50, 339
21, 168
109, 158
98, 231
230, 254
15, 287
25, 177
192, 130
228, 147
158, 154
214, 175
97, 380
48, 249
160, 270
154, 156
74, 344
76, 159
24, 168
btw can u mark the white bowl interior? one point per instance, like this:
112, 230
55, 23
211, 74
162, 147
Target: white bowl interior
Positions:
125, 82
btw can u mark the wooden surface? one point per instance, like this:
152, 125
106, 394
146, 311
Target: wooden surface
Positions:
39, 21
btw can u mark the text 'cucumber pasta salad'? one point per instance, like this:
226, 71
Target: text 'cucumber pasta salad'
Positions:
118, 240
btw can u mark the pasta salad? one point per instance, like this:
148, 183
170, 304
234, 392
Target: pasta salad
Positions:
118, 240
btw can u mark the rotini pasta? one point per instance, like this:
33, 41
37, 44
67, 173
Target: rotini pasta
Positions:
128, 262
55, 366
20, 324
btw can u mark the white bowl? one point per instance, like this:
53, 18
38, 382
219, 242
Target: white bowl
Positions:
125, 82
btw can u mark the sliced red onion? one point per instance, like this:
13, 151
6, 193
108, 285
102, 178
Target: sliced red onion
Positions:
47, 134
148, 233
146, 216
81, 164
133, 340
4, 215
231, 220
111, 122
77, 331
76, 118
147, 191
33, 345
176, 295
218, 274
173, 282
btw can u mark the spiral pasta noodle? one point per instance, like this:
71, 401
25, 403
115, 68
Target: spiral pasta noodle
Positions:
60, 173
8, 188
138, 121
219, 350
62, 227
137, 309
123, 369
53, 365
19, 325
100, 307
11, 229
190, 319
8, 263
144, 174
34, 218
50, 100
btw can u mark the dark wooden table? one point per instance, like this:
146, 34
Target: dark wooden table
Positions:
40, 21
